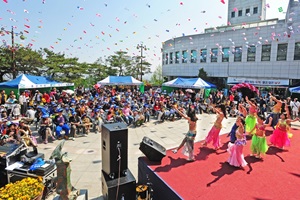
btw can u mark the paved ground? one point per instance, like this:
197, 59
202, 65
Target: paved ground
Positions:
86, 151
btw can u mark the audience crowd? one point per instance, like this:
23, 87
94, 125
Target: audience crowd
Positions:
60, 114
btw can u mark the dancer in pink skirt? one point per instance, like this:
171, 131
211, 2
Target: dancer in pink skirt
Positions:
213, 134
280, 138
235, 150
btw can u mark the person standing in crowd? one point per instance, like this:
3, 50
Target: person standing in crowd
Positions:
37, 97
3, 97
295, 108
188, 141
46, 97
235, 150
23, 103
213, 134
259, 144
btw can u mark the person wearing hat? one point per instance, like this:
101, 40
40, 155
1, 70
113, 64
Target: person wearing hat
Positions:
45, 130
61, 124
76, 125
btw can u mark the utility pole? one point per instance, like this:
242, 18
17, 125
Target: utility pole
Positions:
142, 47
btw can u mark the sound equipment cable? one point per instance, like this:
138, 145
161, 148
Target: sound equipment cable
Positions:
119, 159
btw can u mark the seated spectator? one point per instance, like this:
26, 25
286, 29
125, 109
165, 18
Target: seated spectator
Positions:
161, 115
233, 112
138, 118
76, 125
98, 121
146, 112
127, 114
61, 124
29, 115
11, 133
45, 130
86, 121
26, 135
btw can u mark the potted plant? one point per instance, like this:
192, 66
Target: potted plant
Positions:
25, 189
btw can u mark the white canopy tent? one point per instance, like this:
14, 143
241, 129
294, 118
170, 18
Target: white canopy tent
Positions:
120, 80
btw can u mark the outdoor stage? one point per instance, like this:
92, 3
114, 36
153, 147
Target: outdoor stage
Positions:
277, 176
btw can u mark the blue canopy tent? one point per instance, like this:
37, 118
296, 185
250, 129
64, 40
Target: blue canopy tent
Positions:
295, 89
26, 81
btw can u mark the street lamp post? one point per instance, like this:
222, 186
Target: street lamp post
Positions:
13, 64
142, 47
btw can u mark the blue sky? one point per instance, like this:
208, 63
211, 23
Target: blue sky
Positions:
90, 29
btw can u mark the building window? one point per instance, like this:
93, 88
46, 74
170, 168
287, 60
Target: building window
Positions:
255, 10
203, 54
214, 55
184, 56
163, 58
177, 56
297, 51
232, 14
167, 58
266, 52
240, 13
238, 54
282, 51
225, 54
171, 58
247, 11
251, 53
193, 56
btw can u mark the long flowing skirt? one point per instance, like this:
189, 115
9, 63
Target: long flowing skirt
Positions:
236, 157
250, 123
259, 145
213, 136
280, 138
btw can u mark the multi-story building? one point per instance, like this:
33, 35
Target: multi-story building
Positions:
250, 49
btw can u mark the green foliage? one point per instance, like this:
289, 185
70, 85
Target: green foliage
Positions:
45, 62
157, 77
203, 74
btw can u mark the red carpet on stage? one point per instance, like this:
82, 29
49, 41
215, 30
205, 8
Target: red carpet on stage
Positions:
277, 176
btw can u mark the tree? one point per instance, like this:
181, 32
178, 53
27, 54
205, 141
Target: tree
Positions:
157, 77
203, 74
119, 62
63, 69
5, 62
29, 61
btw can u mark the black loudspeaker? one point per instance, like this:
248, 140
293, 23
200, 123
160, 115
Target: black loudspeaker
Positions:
114, 149
152, 150
120, 189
